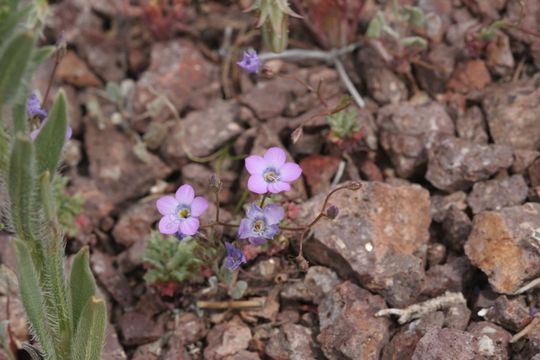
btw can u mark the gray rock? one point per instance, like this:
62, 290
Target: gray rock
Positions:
407, 131
291, 341
498, 193
456, 164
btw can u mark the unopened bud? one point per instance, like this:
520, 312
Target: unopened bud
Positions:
332, 212
215, 183
355, 185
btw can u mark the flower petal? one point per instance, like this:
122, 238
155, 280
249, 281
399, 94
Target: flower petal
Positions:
254, 211
257, 184
189, 226
274, 213
256, 240
255, 164
243, 229
271, 231
275, 157
185, 194
290, 172
278, 187
198, 206
168, 225
167, 205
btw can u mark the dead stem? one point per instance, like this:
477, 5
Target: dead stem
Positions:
530, 285
533, 325
418, 310
230, 304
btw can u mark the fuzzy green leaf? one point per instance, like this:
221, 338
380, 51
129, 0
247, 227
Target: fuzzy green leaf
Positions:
81, 283
414, 41
43, 53
13, 65
51, 139
33, 300
238, 291
90, 333
415, 15
9, 23
374, 29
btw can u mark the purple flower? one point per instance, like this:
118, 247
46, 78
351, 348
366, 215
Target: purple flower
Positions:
235, 257
261, 224
181, 212
33, 107
270, 173
250, 62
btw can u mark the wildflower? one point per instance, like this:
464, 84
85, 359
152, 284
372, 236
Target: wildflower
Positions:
261, 224
270, 173
235, 257
250, 62
181, 212
36, 111
34, 108
332, 212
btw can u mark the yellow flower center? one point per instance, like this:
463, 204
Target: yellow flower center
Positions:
183, 213
271, 176
258, 226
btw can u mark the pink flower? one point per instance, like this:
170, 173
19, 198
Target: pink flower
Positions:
181, 212
271, 173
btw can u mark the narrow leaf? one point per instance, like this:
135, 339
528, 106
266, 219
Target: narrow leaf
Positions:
14, 62
51, 139
82, 284
90, 332
32, 298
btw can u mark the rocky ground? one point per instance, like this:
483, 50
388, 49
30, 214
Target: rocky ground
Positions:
450, 168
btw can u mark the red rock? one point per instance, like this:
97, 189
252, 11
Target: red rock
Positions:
434, 80
136, 222
446, 344
469, 76
189, 328
407, 131
112, 350
227, 339
138, 329
291, 342
499, 55
512, 314
348, 327
523, 159
456, 228
501, 245
114, 281
385, 87
380, 237
472, 127
440, 205
319, 171
492, 340
455, 276
74, 71
269, 99
318, 282
511, 110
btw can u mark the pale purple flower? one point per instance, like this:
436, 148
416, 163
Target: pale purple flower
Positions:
181, 212
235, 257
271, 173
261, 224
250, 62
34, 108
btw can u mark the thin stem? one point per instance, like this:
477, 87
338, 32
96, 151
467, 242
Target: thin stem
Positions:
51, 78
231, 304
348, 83
265, 196
217, 206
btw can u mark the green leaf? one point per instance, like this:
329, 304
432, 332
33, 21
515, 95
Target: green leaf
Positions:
43, 53
415, 15
374, 29
81, 283
238, 291
33, 299
13, 65
51, 139
414, 41
90, 333
9, 24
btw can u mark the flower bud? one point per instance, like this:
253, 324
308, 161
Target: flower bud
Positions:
215, 183
332, 212
355, 185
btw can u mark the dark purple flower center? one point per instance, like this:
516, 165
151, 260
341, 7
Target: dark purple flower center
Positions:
183, 211
270, 175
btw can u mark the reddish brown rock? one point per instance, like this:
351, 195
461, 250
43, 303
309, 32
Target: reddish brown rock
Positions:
492, 340
502, 246
455, 164
75, 71
114, 281
178, 71
101, 51
319, 171
512, 314
440, 205
189, 328
380, 237
407, 131
446, 344
486, 8
499, 55
227, 339
455, 276
137, 328
291, 342
318, 282
112, 350
404, 342
498, 193
202, 132
96, 204
512, 113
457, 317
115, 168
348, 328
456, 228
534, 173
523, 158
385, 87
470, 76
136, 222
